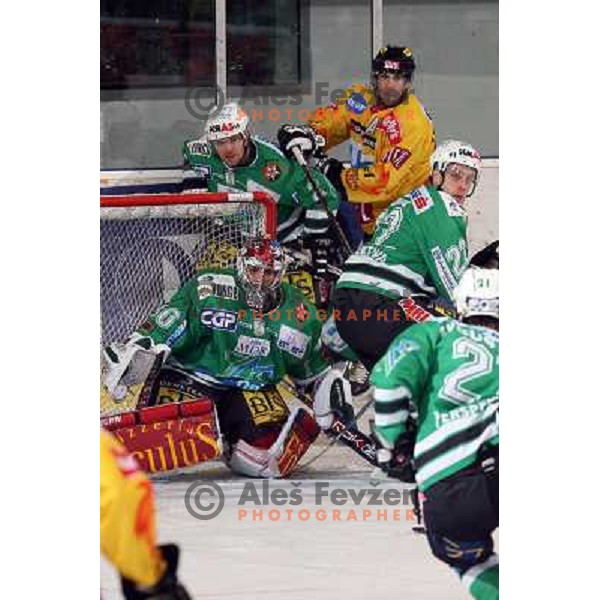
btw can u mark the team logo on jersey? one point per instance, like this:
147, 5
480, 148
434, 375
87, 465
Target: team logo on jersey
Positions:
292, 341
302, 313
421, 200
251, 346
222, 320
272, 171
357, 103
396, 156
392, 128
397, 352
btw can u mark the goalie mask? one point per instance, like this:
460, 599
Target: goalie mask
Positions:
261, 267
478, 294
451, 153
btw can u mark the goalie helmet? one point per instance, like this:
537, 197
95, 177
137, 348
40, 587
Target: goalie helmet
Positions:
231, 120
478, 293
395, 59
261, 267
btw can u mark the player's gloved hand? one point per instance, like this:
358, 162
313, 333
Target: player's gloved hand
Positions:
297, 136
321, 249
167, 588
332, 169
396, 460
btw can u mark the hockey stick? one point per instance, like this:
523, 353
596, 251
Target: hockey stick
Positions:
347, 434
332, 220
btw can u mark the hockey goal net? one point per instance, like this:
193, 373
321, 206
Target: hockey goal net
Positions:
150, 244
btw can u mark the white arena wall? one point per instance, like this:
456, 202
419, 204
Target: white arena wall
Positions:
482, 207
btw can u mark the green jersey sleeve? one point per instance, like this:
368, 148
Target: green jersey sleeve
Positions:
401, 376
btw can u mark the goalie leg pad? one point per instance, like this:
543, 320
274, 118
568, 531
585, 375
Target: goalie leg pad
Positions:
295, 438
333, 396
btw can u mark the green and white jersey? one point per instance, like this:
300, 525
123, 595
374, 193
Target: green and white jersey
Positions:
419, 247
447, 373
214, 335
299, 211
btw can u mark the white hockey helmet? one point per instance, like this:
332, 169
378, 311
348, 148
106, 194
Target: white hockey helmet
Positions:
478, 293
229, 121
453, 151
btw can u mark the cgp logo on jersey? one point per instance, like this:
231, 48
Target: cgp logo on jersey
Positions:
251, 346
223, 320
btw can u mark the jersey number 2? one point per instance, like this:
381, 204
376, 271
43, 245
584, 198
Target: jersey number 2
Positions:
481, 363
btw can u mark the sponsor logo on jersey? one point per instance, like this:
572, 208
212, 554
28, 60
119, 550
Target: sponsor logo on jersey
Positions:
413, 311
443, 269
251, 346
369, 141
421, 201
357, 127
272, 171
167, 316
292, 341
200, 148
221, 286
203, 171
390, 125
222, 320
176, 335
396, 156
357, 103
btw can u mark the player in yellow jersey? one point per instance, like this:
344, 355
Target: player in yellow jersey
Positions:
391, 136
128, 529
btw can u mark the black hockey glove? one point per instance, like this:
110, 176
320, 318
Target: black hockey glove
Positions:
397, 461
168, 588
297, 136
332, 169
321, 249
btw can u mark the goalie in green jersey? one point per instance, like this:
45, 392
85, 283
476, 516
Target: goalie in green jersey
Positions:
436, 420
232, 335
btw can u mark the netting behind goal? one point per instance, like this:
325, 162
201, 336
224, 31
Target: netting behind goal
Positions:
151, 244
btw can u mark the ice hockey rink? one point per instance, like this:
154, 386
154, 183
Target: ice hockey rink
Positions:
232, 557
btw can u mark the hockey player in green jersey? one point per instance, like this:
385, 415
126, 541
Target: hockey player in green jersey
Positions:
230, 159
436, 419
232, 335
410, 267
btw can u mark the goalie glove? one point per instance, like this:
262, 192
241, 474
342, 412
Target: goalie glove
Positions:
167, 588
124, 365
297, 136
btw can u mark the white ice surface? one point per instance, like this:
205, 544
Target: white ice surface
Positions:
231, 559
